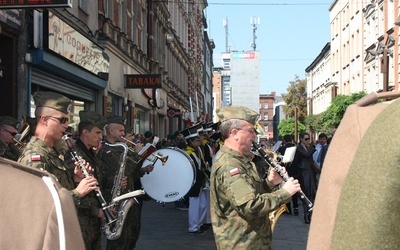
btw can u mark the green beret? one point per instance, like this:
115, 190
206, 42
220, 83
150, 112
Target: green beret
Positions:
93, 118
237, 112
8, 120
116, 119
52, 100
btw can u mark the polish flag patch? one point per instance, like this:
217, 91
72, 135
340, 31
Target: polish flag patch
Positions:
234, 171
35, 157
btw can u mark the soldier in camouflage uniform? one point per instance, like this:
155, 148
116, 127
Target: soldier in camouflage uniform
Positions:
52, 119
240, 199
89, 210
110, 157
8, 131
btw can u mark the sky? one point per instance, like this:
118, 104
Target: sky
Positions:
290, 36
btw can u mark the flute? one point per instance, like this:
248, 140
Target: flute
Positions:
285, 176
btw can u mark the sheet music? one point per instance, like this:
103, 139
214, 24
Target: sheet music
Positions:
289, 154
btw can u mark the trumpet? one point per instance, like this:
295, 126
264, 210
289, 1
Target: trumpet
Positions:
23, 133
158, 156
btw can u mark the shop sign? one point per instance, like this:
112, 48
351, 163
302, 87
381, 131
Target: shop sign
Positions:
173, 113
72, 45
14, 4
137, 81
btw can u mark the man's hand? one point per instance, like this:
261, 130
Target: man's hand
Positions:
86, 186
292, 186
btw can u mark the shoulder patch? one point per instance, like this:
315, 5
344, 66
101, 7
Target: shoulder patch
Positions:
234, 171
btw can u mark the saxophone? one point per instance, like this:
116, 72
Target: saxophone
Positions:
124, 202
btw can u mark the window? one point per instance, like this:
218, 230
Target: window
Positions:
265, 105
83, 5
265, 116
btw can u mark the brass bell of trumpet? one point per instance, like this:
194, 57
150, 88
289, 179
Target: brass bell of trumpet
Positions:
159, 156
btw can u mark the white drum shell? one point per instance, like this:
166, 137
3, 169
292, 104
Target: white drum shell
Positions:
171, 181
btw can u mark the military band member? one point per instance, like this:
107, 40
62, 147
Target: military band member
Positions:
240, 199
8, 131
197, 195
111, 159
90, 213
52, 120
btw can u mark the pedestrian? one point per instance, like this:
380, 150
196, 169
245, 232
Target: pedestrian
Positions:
240, 199
307, 171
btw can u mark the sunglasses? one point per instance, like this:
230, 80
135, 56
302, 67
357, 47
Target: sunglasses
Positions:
62, 120
11, 133
307, 139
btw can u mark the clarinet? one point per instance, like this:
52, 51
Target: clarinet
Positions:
285, 176
99, 195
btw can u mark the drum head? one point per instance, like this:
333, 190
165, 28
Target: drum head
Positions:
171, 181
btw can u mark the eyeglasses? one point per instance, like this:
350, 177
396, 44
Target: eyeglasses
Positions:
62, 120
11, 133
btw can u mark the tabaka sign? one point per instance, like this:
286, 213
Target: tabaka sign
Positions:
19, 4
142, 81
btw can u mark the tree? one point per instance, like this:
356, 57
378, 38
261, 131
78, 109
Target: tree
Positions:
296, 98
286, 127
334, 113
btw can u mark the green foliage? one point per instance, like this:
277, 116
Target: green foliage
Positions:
296, 97
286, 127
334, 113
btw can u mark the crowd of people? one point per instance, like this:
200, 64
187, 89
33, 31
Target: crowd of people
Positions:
233, 192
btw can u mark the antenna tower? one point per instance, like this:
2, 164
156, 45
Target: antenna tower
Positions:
225, 24
255, 22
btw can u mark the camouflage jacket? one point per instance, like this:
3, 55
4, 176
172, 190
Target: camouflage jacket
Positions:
9, 152
111, 163
241, 202
89, 204
38, 155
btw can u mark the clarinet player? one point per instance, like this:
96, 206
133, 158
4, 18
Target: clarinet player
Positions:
240, 199
90, 214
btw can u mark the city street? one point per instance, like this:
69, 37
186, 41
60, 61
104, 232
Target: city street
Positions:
165, 228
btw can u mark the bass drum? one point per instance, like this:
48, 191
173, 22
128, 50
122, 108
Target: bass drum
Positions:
171, 181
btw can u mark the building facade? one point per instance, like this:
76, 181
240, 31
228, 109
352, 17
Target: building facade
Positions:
140, 59
267, 109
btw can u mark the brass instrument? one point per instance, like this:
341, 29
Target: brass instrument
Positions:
113, 230
24, 132
146, 152
274, 215
130, 142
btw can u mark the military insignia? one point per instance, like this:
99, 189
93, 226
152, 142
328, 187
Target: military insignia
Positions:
35, 157
234, 171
